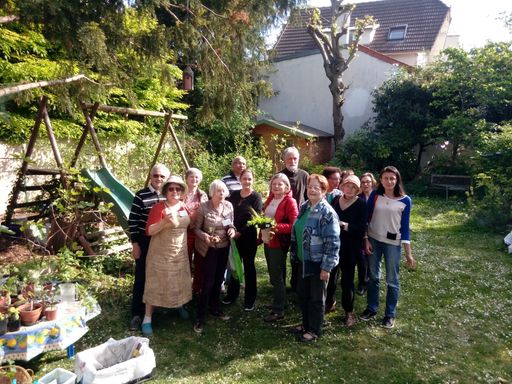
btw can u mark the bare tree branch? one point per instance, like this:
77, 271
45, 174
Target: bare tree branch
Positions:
40, 84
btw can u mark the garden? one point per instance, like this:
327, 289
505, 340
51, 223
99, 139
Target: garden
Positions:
453, 323
452, 117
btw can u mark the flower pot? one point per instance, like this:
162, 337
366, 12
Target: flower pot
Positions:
30, 316
50, 313
3, 326
265, 235
13, 325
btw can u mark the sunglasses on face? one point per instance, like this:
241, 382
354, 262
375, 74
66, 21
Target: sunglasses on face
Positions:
174, 189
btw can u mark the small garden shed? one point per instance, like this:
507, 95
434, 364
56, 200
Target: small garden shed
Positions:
312, 143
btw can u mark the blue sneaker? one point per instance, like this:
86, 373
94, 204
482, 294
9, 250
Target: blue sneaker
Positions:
147, 329
182, 311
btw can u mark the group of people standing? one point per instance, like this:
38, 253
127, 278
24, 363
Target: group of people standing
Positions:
330, 223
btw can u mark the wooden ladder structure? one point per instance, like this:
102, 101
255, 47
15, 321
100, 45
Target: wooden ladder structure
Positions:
27, 170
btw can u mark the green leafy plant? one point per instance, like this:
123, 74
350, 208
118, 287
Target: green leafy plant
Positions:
260, 220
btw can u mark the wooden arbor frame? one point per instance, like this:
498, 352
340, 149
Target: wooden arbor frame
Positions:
89, 111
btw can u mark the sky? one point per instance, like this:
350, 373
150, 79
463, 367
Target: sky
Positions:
473, 20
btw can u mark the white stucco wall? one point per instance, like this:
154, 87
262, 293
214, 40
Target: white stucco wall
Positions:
303, 91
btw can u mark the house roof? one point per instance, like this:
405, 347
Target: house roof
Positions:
423, 19
291, 127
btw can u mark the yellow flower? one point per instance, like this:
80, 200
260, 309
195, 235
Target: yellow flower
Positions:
54, 333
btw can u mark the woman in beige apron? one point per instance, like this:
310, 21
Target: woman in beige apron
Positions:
167, 266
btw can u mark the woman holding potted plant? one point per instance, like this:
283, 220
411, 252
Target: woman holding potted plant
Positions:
282, 207
244, 202
167, 266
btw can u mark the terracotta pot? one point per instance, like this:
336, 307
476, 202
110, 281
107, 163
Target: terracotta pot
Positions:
265, 235
28, 316
50, 313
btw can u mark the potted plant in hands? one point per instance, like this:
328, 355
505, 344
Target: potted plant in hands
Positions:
265, 225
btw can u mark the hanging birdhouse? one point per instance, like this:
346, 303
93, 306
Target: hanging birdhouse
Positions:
188, 79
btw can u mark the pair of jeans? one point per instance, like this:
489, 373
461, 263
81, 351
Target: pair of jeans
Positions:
213, 267
392, 254
276, 264
311, 292
247, 249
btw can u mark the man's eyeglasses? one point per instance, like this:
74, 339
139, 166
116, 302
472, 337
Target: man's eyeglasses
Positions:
158, 176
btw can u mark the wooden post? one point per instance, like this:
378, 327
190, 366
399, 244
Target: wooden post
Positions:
94, 137
84, 136
55, 148
24, 165
159, 148
180, 150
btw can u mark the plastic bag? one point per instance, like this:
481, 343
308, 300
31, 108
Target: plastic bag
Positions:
235, 262
116, 361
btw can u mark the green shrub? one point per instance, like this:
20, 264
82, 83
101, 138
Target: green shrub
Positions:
491, 204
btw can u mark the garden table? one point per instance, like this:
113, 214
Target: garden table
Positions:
44, 336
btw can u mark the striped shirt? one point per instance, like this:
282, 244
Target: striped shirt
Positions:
232, 182
142, 203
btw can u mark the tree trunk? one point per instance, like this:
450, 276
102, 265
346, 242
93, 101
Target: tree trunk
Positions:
337, 120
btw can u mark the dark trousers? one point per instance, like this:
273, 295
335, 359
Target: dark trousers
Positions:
294, 267
311, 293
213, 267
247, 249
330, 297
363, 270
138, 307
276, 262
348, 269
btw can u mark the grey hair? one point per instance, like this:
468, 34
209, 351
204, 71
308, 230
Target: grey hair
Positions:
161, 167
280, 176
217, 184
289, 151
239, 157
194, 171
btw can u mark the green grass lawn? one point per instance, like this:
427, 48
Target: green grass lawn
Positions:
454, 323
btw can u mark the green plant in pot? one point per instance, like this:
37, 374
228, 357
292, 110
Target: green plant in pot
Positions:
13, 319
50, 303
3, 323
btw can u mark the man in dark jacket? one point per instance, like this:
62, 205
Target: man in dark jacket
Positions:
142, 203
298, 182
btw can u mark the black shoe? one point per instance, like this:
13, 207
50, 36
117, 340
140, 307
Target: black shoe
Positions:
227, 300
388, 322
361, 291
220, 315
198, 327
367, 315
135, 323
308, 338
249, 307
273, 316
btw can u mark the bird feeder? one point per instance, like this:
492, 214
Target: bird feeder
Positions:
188, 79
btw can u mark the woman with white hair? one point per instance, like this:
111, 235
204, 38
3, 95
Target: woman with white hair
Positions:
214, 228
282, 207
193, 200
